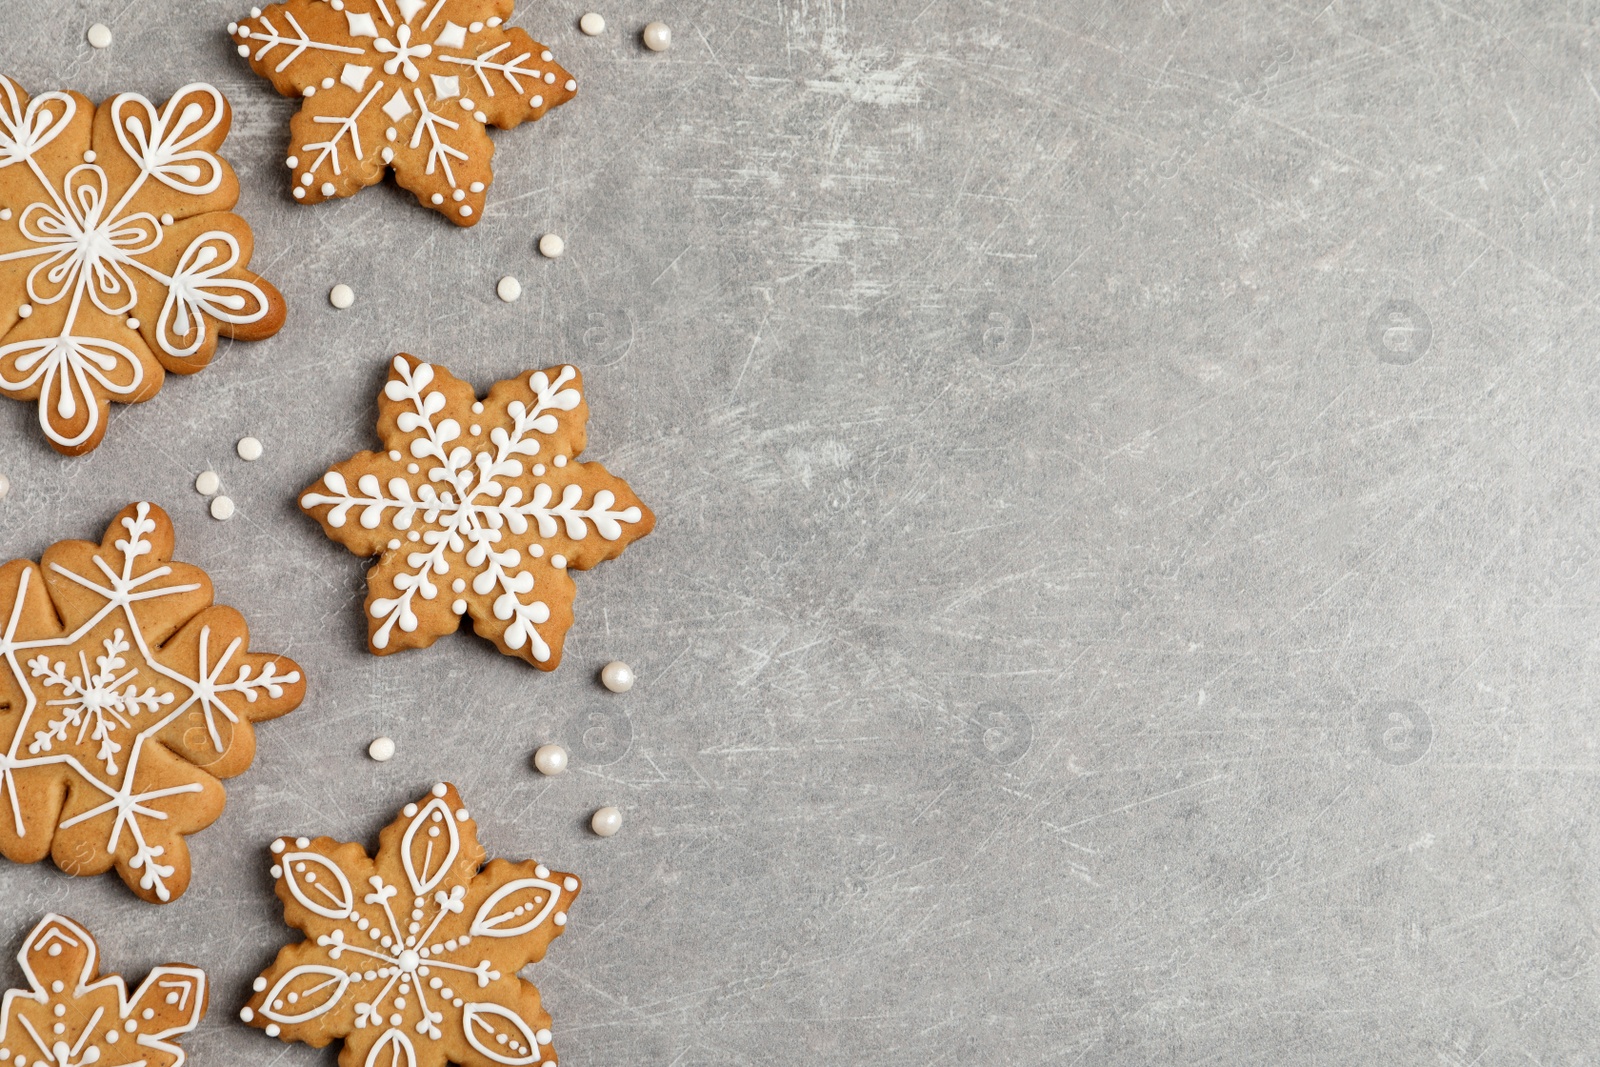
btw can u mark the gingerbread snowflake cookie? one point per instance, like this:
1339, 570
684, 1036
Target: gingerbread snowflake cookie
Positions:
478, 508
69, 1016
125, 696
120, 257
407, 84
411, 956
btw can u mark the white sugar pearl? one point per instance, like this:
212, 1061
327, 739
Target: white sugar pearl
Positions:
249, 449
606, 821
551, 246
508, 289
341, 296
617, 676
222, 508
381, 749
658, 37
550, 759
99, 35
592, 24
5, 486
207, 483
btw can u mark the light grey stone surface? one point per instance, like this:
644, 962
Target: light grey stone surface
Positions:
1125, 589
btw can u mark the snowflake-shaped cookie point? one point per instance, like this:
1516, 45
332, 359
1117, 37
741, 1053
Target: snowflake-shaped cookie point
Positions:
69, 1016
477, 508
407, 84
125, 695
120, 259
411, 956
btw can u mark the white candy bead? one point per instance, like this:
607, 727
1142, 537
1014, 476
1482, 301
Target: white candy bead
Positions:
551, 246
508, 289
592, 24
99, 35
381, 749
658, 37
208, 482
249, 449
5, 486
222, 509
341, 296
550, 759
606, 821
617, 676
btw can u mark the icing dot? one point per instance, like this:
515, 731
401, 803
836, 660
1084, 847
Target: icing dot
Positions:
461, 815
546, 56
459, 195
208, 482
543, 1037
538, 470
299, 193
439, 789
57, 986
292, 162
658, 37
249, 449
508, 290
412, 468
617, 676
476, 187
255, 12
391, 133
458, 1002
244, 49
536, 550
89, 156
477, 407
99, 35
413, 536
246, 1014
327, 83
24, 311
394, 543
5, 486
466, 209
310, 91
272, 1030
306, 178
495, 21
341, 296
387, 154
133, 324
276, 871
166, 220
147, 1014
259, 985
572, 86
571, 885
560, 461
550, 759
5, 214
327, 188
60, 1028
381, 749
560, 917
551, 246
437, 198
558, 561
302, 842
549, 77
459, 607
222, 508
278, 845
476, 27
593, 24
542, 871
537, 101
394, 455
459, 585
480, 116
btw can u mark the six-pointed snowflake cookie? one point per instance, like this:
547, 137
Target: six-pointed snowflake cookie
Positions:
408, 84
125, 696
411, 956
120, 258
69, 1016
477, 507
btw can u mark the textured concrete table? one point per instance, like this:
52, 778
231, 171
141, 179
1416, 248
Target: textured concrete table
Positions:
1125, 589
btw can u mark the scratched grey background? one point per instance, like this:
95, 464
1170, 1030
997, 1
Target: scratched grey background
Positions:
1125, 589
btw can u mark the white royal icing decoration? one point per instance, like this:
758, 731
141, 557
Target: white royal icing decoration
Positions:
405, 960
85, 244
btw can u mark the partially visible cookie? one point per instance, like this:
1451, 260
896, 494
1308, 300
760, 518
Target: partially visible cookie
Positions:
125, 696
120, 257
411, 956
69, 1016
477, 508
407, 84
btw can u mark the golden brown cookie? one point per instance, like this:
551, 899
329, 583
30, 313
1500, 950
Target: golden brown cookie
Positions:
411, 956
407, 84
69, 1016
125, 695
477, 507
120, 257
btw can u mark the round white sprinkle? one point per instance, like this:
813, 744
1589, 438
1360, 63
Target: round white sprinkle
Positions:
246, 1014
327, 189
658, 37
617, 676
249, 449
606, 821
508, 289
592, 24
5, 486
381, 749
207, 483
222, 508
551, 246
341, 296
99, 35
550, 759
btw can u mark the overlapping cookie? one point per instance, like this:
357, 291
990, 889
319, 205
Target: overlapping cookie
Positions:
407, 84
477, 508
125, 696
70, 1016
411, 956
120, 257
